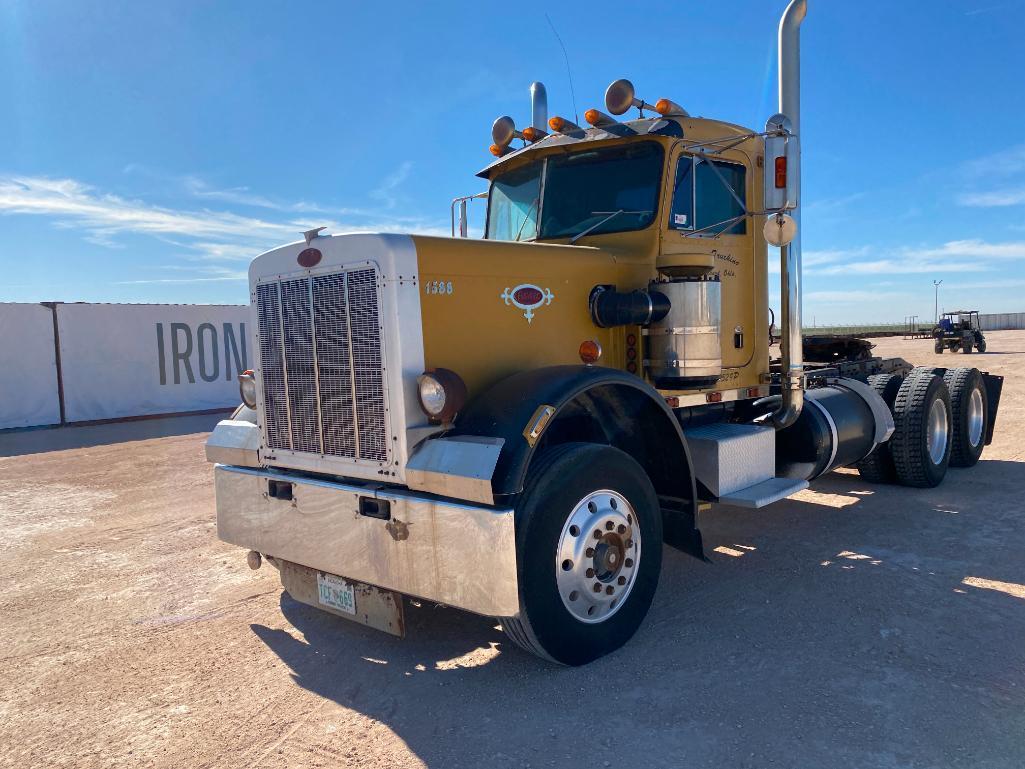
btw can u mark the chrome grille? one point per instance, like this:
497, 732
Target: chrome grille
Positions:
327, 361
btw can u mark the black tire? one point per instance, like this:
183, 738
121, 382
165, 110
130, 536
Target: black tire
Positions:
878, 467
938, 347
981, 346
909, 444
962, 382
966, 346
557, 481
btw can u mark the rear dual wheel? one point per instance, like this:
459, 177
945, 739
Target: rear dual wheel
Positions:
969, 415
589, 552
922, 418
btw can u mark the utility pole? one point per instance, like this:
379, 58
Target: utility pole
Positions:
936, 312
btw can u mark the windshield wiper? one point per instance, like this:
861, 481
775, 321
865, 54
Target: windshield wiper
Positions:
526, 219
598, 224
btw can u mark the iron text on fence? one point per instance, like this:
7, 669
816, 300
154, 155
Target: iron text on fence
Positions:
201, 347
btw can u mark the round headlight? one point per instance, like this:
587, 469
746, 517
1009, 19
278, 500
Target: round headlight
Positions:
432, 395
247, 388
442, 393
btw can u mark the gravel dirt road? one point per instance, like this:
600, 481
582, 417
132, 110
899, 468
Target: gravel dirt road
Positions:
850, 626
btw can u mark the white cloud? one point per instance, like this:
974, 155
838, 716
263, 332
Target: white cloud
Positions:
203, 235
387, 191
994, 199
71, 203
851, 297
953, 256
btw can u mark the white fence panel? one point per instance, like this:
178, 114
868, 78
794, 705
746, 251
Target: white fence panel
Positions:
1002, 321
28, 368
135, 360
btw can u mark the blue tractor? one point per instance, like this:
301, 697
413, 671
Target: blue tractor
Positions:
959, 330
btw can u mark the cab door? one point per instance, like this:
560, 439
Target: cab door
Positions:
705, 230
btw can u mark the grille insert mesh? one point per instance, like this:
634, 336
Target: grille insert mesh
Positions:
322, 365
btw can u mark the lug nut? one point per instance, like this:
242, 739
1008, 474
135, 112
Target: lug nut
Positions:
597, 534
629, 562
621, 529
621, 580
589, 573
597, 587
609, 525
610, 590
589, 552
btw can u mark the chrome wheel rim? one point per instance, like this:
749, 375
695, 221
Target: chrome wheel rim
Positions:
936, 434
976, 417
598, 555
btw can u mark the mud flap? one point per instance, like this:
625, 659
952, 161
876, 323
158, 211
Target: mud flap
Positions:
994, 386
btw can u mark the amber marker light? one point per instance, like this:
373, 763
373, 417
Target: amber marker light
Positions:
590, 351
560, 125
781, 172
666, 107
597, 118
532, 134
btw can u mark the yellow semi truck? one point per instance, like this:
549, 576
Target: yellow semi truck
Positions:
515, 425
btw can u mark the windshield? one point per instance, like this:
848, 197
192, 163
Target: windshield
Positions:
595, 192
512, 209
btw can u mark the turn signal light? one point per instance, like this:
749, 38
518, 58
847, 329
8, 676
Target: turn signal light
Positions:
532, 134
590, 351
781, 172
560, 125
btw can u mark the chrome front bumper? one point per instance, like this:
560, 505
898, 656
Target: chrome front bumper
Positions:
438, 550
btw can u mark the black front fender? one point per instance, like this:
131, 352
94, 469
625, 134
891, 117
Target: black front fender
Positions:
505, 410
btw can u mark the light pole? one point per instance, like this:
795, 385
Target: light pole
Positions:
936, 312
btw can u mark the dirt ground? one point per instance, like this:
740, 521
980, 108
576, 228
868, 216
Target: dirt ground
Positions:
850, 626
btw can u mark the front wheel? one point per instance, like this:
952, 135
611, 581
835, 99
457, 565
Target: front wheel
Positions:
589, 552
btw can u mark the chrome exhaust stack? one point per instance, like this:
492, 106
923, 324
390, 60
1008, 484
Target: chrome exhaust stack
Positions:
791, 345
539, 106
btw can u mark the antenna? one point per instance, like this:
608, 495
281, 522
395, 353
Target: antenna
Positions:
569, 72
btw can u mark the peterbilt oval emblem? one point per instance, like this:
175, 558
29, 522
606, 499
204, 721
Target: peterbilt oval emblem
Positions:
528, 298
309, 257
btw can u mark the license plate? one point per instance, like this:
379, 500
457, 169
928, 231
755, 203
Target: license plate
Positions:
336, 592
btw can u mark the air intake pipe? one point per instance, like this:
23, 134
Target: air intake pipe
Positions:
611, 308
792, 374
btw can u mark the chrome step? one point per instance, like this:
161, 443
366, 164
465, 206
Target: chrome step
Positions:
764, 493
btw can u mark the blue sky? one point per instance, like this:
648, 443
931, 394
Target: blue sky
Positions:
150, 150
